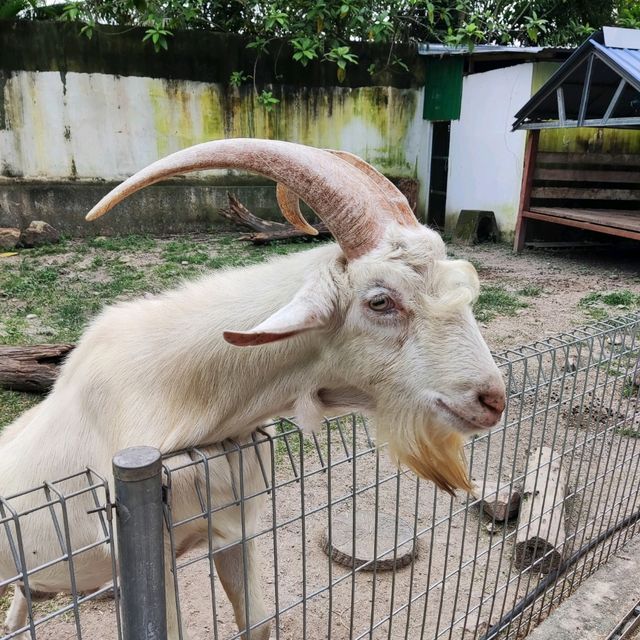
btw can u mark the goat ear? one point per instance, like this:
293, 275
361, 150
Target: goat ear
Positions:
303, 313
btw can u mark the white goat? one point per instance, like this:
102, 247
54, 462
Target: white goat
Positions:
380, 323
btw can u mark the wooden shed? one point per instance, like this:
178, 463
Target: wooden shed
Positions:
593, 184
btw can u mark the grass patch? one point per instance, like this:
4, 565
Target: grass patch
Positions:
495, 301
13, 403
123, 243
530, 291
629, 432
597, 304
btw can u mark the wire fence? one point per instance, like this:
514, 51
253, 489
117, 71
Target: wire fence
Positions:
292, 536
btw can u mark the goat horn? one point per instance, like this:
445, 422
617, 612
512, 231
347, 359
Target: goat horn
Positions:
290, 202
290, 206
406, 216
341, 196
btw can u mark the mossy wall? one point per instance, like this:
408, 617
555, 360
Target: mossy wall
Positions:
91, 111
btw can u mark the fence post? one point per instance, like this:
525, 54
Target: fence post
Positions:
137, 473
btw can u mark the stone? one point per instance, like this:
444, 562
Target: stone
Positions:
390, 552
501, 503
9, 238
39, 233
571, 364
476, 226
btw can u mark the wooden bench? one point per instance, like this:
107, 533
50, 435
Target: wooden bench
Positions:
594, 191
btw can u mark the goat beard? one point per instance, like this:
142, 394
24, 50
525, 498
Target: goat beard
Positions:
429, 447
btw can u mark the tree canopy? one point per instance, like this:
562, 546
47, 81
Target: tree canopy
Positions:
324, 30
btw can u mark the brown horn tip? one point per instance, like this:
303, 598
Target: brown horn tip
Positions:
290, 206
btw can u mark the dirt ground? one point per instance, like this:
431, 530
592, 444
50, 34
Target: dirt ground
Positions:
550, 288
565, 277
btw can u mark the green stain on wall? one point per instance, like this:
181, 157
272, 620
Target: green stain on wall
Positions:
212, 109
186, 113
592, 139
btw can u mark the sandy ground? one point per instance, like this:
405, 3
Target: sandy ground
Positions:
458, 558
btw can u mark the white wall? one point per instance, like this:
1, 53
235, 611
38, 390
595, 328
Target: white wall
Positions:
485, 157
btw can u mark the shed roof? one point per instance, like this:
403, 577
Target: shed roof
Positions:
598, 86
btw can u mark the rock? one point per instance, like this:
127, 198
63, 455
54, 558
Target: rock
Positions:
39, 233
9, 237
571, 364
496, 501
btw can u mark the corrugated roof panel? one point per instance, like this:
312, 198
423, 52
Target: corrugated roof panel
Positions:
627, 59
615, 64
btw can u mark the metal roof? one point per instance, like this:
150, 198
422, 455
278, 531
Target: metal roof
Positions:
437, 49
598, 86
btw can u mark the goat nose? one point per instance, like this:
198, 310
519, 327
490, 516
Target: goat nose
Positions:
493, 399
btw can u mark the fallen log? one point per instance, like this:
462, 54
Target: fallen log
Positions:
541, 532
265, 231
31, 368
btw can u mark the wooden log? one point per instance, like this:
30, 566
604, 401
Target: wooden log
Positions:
240, 215
541, 531
265, 230
31, 368
265, 237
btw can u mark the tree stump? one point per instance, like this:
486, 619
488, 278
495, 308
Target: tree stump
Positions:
541, 532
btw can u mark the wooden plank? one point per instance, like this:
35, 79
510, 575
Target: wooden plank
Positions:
586, 175
600, 228
626, 159
609, 217
525, 190
586, 193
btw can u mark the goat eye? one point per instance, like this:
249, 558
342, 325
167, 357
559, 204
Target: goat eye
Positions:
381, 303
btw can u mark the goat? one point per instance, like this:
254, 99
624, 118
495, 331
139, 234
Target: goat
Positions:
379, 323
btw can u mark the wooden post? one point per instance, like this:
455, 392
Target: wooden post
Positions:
525, 192
541, 533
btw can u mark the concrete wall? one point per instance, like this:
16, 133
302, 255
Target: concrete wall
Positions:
67, 136
485, 157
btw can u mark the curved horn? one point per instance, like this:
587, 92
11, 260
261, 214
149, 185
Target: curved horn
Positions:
290, 206
406, 215
354, 213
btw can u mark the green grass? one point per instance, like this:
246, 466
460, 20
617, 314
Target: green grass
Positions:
597, 304
123, 243
495, 301
530, 291
13, 403
629, 432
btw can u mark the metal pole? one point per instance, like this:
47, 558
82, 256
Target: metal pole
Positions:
137, 473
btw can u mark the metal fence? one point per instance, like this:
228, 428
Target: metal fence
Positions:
331, 541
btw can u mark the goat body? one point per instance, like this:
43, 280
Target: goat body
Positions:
383, 325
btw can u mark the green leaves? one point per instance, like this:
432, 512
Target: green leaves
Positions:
305, 49
267, 100
341, 56
238, 78
157, 34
